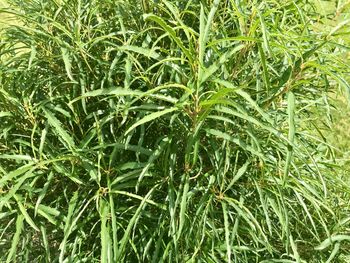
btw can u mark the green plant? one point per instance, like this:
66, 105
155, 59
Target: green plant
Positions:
170, 131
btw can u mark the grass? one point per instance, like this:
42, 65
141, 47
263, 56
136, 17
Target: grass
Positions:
340, 136
5, 18
150, 133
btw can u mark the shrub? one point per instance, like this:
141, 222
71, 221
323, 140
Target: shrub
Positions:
172, 131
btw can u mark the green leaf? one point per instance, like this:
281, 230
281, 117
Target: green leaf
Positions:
4, 198
241, 171
61, 132
247, 97
291, 115
113, 222
265, 33
291, 133
294, 249
19, 171
183, 205
138, 197
5, 114
131, 224
117, 91
334, 253
69, 224
15, 240
227, 231
332, 239
237, 141
25, 214
171, 33
208, 72
18, 157
32, 56
150, 117
140, 50
105, 237
45, 243
67, 63
49, 213
265, 70
43, 192
205, 29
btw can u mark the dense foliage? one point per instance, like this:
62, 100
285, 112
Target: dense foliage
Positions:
168, 131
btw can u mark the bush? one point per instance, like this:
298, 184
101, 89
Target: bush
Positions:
172, 131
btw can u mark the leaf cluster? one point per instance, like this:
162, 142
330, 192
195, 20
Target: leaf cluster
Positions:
167, 131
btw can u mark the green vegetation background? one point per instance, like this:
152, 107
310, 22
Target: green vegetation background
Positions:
335, 131
338, 132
